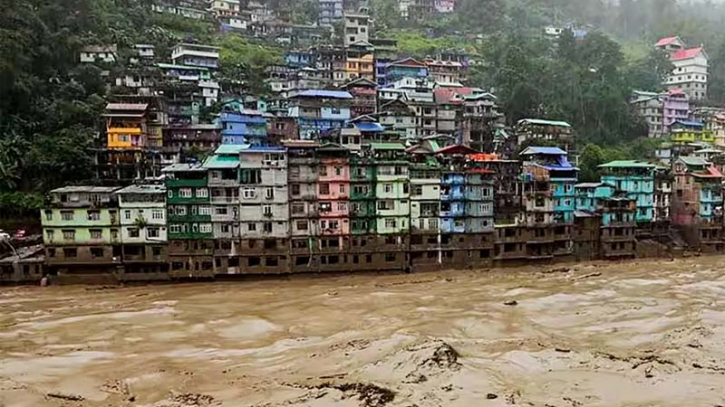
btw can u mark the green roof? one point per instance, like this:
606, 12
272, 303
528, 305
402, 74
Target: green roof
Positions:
221, 162
387, 146
231, 148
627, 164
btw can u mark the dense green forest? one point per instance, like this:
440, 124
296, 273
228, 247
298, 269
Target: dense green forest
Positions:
50, 104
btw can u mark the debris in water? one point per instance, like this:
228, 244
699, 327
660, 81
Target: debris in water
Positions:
491, 396
562, 350
62, 396
511, 303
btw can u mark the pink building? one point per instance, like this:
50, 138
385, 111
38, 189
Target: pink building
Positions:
334, 190
676, 107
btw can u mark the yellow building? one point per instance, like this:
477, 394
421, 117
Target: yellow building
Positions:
126, 126
360, 66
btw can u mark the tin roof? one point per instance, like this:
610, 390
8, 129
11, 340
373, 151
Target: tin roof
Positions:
143, 189
84, 188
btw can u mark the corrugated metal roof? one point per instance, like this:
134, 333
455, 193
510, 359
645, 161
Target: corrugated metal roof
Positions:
332, 94
184, 167
387, 146
686, 53
221, 162
544, 150
695, 161
627, 164
231, 148
127, 106
545, 122
370, 127
184, 67
143, 189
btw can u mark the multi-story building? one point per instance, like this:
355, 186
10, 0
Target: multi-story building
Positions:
264, 212
126, 125
478, 124
562, 177
190, 227
416, 10
616, 218
195, 9
224, 188
319, 111
333, 205
107, 54
82, 231
330, 11
446, 72
690, 72
363, 219
636, 180
196, 55
398, 116
662, 198
386, 51
697, 202
180, 141
360, 61
405, 68
532, 130
357, 29
425, 210
303, 169
364, 96
243, 127
676, 108
143, 228
650, 107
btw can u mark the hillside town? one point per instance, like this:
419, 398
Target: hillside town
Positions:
361, 159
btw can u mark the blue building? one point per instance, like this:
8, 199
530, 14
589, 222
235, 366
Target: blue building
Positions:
636, 179
243, 127
406, 68
562, 179
300, 59
318, 112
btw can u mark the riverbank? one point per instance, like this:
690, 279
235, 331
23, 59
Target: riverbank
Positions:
599, 334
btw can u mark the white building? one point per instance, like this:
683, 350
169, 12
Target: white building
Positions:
197, 55
357, 28
691, 68
142, 210
99, 53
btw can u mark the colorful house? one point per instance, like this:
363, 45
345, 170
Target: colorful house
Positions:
243, 127
319, 111
636, 179
405, 68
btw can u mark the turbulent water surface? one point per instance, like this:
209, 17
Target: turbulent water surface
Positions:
633, 334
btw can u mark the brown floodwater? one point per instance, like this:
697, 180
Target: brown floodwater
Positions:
629, 334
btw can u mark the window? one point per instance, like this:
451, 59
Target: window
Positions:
205, 228
94, 215
269, 193
249, 193
202, 193
152, 233
174, 228
390, 257
205, 210
295, 189
157, 214
342, 188
267, 210
254, 261
342, 206
48, 215
386, 205
127, 214
251, 177
96, 234
51, 252
417, 190
324, 189
96, 252
267, 227
388, 188
252, 227
66, 215
221, 210
325, 206
390, 223
298, 208
70, 252
185, 192
432, 224
323, 170
69, 235
170, 194
301, 225
51, 234
133, 232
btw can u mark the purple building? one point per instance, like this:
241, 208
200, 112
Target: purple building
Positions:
676, 107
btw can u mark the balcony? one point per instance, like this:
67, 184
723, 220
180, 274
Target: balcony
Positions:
189, 218
220, 200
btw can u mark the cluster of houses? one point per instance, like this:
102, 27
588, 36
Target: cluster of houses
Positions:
361, 160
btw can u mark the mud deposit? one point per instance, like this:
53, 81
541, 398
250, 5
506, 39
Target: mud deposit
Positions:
634, 334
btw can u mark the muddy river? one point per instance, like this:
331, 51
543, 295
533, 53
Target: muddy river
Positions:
631, 334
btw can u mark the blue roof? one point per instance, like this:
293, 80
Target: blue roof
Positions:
370, 127
264, 149
690, 123
543, 150
333, 94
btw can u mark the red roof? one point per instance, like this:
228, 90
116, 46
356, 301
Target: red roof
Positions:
665, 41
444, 95
409, 62
457, 149
686, 53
